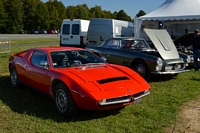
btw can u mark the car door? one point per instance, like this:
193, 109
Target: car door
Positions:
66, 34
75, 34
37, 76
113, 52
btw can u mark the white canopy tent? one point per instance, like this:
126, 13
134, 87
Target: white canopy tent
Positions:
171, 13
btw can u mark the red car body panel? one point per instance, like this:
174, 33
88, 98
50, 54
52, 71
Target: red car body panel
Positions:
88, 85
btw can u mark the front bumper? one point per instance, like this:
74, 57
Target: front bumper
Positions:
170, 72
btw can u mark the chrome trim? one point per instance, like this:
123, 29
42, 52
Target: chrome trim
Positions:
126, 99
171, 72
147, 92
116, 102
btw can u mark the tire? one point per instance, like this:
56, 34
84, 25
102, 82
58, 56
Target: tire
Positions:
64, 102
14, 78
141, 68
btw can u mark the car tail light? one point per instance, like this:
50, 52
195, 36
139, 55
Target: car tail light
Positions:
101, 38
86, 40
60, 39
81, 39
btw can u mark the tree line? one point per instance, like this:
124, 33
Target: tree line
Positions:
16, 15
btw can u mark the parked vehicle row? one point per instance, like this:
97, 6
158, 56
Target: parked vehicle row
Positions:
42, 32
110, 72
79, 33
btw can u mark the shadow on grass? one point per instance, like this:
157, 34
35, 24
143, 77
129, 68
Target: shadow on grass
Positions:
159, 78
27, 101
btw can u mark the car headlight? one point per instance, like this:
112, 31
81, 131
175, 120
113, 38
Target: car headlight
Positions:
182, 58
188, 59
159, 62
191, 58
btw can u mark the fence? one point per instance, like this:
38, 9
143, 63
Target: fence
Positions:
4, 44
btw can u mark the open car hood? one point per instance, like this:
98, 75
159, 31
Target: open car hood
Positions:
163, 43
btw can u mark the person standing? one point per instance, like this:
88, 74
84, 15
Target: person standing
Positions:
186, 31
196, 48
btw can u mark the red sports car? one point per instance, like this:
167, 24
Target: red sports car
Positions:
76, 78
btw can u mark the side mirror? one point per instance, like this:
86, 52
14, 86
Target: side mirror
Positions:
44, 64
103, 58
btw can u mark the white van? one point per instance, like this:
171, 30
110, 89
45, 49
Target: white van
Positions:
74, 32
101, 29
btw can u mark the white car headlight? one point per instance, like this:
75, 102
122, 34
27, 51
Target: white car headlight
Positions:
188, 59
159, 62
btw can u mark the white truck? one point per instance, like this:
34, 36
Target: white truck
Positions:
74, 32
101, 29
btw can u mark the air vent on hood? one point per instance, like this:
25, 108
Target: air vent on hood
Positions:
103, 81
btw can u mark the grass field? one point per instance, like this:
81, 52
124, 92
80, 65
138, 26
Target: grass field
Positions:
25, 111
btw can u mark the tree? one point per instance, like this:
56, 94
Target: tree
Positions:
82, 11
123, 16
30, 14
53, 13
42, 16
141, 13
3, 17
14, 10
61, 9
96, 11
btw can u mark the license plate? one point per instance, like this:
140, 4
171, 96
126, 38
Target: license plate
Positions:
137, 101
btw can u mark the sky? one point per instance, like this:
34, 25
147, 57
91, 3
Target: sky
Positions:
131, 7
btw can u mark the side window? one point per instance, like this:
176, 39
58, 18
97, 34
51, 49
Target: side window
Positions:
112, 44
66, 29
75, 29
37, 57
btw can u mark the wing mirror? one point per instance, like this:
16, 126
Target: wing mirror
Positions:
44, 64
103, 58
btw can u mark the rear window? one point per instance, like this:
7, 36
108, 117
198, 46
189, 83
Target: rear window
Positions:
66, 29
75, 29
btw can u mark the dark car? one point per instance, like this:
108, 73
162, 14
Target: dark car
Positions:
42, 32
184, 43
50, 32
140, 56
31, 32
188, 58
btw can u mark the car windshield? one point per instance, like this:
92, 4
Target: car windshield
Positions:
62, 59
139, 44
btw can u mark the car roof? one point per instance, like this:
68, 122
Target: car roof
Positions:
128, 38
54, 48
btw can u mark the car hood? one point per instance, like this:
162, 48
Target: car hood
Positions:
108, 77
163, 43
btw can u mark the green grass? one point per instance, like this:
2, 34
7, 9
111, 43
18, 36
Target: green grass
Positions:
34, 40
24, 111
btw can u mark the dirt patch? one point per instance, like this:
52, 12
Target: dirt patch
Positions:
188, 120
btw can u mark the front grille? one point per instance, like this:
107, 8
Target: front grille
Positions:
124, 99
176, 66
118, 99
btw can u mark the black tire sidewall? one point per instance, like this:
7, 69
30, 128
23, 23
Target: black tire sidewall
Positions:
17, 85
147, 72
70, 103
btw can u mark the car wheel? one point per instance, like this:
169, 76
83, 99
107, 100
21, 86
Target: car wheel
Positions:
14, 78
141, 68
64, 102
